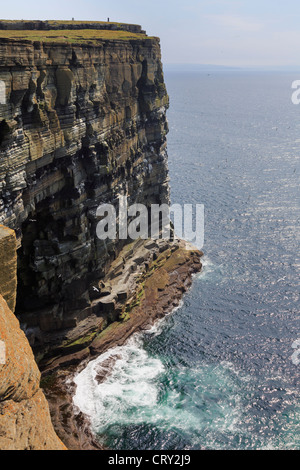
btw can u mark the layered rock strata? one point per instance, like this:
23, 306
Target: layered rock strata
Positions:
82, 124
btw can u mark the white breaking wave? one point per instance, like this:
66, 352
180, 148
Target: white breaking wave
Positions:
209, 270
133, 393
128, 386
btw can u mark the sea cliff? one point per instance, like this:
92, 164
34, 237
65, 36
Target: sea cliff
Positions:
83, 123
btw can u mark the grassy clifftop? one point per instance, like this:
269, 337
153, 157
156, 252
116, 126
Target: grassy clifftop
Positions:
69, 31
71, 36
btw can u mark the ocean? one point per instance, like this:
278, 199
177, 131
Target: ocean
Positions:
222, 371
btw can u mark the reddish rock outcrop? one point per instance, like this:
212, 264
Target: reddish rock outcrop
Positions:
25, 422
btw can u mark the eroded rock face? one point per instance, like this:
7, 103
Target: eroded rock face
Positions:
82, 125
24, 413
25, 422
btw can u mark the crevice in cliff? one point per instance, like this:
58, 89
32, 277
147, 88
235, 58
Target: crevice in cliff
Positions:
4, 131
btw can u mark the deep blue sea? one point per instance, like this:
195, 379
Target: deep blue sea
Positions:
222, 371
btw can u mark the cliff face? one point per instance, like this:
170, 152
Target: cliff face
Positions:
83, 123
25, 422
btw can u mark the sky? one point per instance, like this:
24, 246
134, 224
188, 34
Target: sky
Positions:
242, 33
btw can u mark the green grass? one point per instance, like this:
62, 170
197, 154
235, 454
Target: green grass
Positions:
81, 36
83, 341
48, 381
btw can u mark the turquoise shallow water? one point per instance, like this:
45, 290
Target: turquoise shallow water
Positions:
218, 373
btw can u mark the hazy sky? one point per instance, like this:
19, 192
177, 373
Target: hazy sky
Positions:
223, 32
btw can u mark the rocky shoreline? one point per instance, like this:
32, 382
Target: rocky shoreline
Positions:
162, 281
